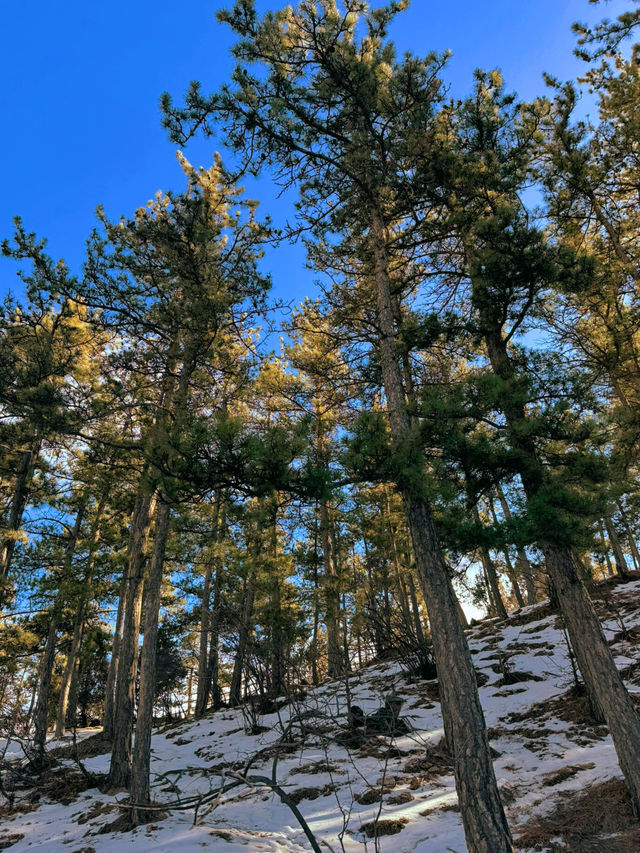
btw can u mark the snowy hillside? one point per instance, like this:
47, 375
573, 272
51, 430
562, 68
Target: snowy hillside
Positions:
557, 771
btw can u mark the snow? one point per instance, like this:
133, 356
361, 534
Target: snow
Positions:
192, 754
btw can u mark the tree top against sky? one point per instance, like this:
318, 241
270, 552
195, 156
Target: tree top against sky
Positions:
81, 85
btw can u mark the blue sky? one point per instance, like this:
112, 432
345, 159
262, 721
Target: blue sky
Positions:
80, 82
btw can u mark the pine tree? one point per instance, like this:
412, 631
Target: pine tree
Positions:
340, 114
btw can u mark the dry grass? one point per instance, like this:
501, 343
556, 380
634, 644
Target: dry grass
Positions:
301, 794
88, 747
595, 820
564, 773
317, 767
377, 828
400, 799
10, 840
62, 785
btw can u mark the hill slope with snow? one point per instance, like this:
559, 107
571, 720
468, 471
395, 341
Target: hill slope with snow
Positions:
363, 790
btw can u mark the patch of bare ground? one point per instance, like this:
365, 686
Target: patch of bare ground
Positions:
97, 809
591, 821
400, 799
542, 611
571, 707
564, 773
89, 747
373, 795
631, 673
62, 785
435, 762
317, 767
10, 840
378, 828
629, 635
311, 793
18, 807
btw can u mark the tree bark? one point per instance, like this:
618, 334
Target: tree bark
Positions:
622, 570
119, 769
331, 594
202, 694
110, 687
41, 713
140, 791
204, 669
214, 693
28, 459
593, 655
483, 817
491, 575
67, 676
76, 641
235, 691
48, 656
416, 612
522, 561
635, 556
511, 574
605, 549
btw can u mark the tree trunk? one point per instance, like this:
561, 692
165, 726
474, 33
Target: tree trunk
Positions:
202, 695
277, 643
491, 574
204, 670
635, 556
72, 708
315, 678
214, 693
523, 565
235, 691
140, 791
119, 770
605, 549
416, 612
48, 657
190, 702
44, 684
485, 825
110, 687
331, 594
67, 677
511, 574
622, 570
72, 658
596, 663
278, 655
28, 459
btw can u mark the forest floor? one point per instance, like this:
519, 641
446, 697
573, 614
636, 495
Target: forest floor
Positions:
556, 768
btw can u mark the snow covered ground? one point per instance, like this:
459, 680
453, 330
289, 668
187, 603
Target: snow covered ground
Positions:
546, 753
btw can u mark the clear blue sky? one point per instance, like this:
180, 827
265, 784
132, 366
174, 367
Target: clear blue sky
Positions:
80, 82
